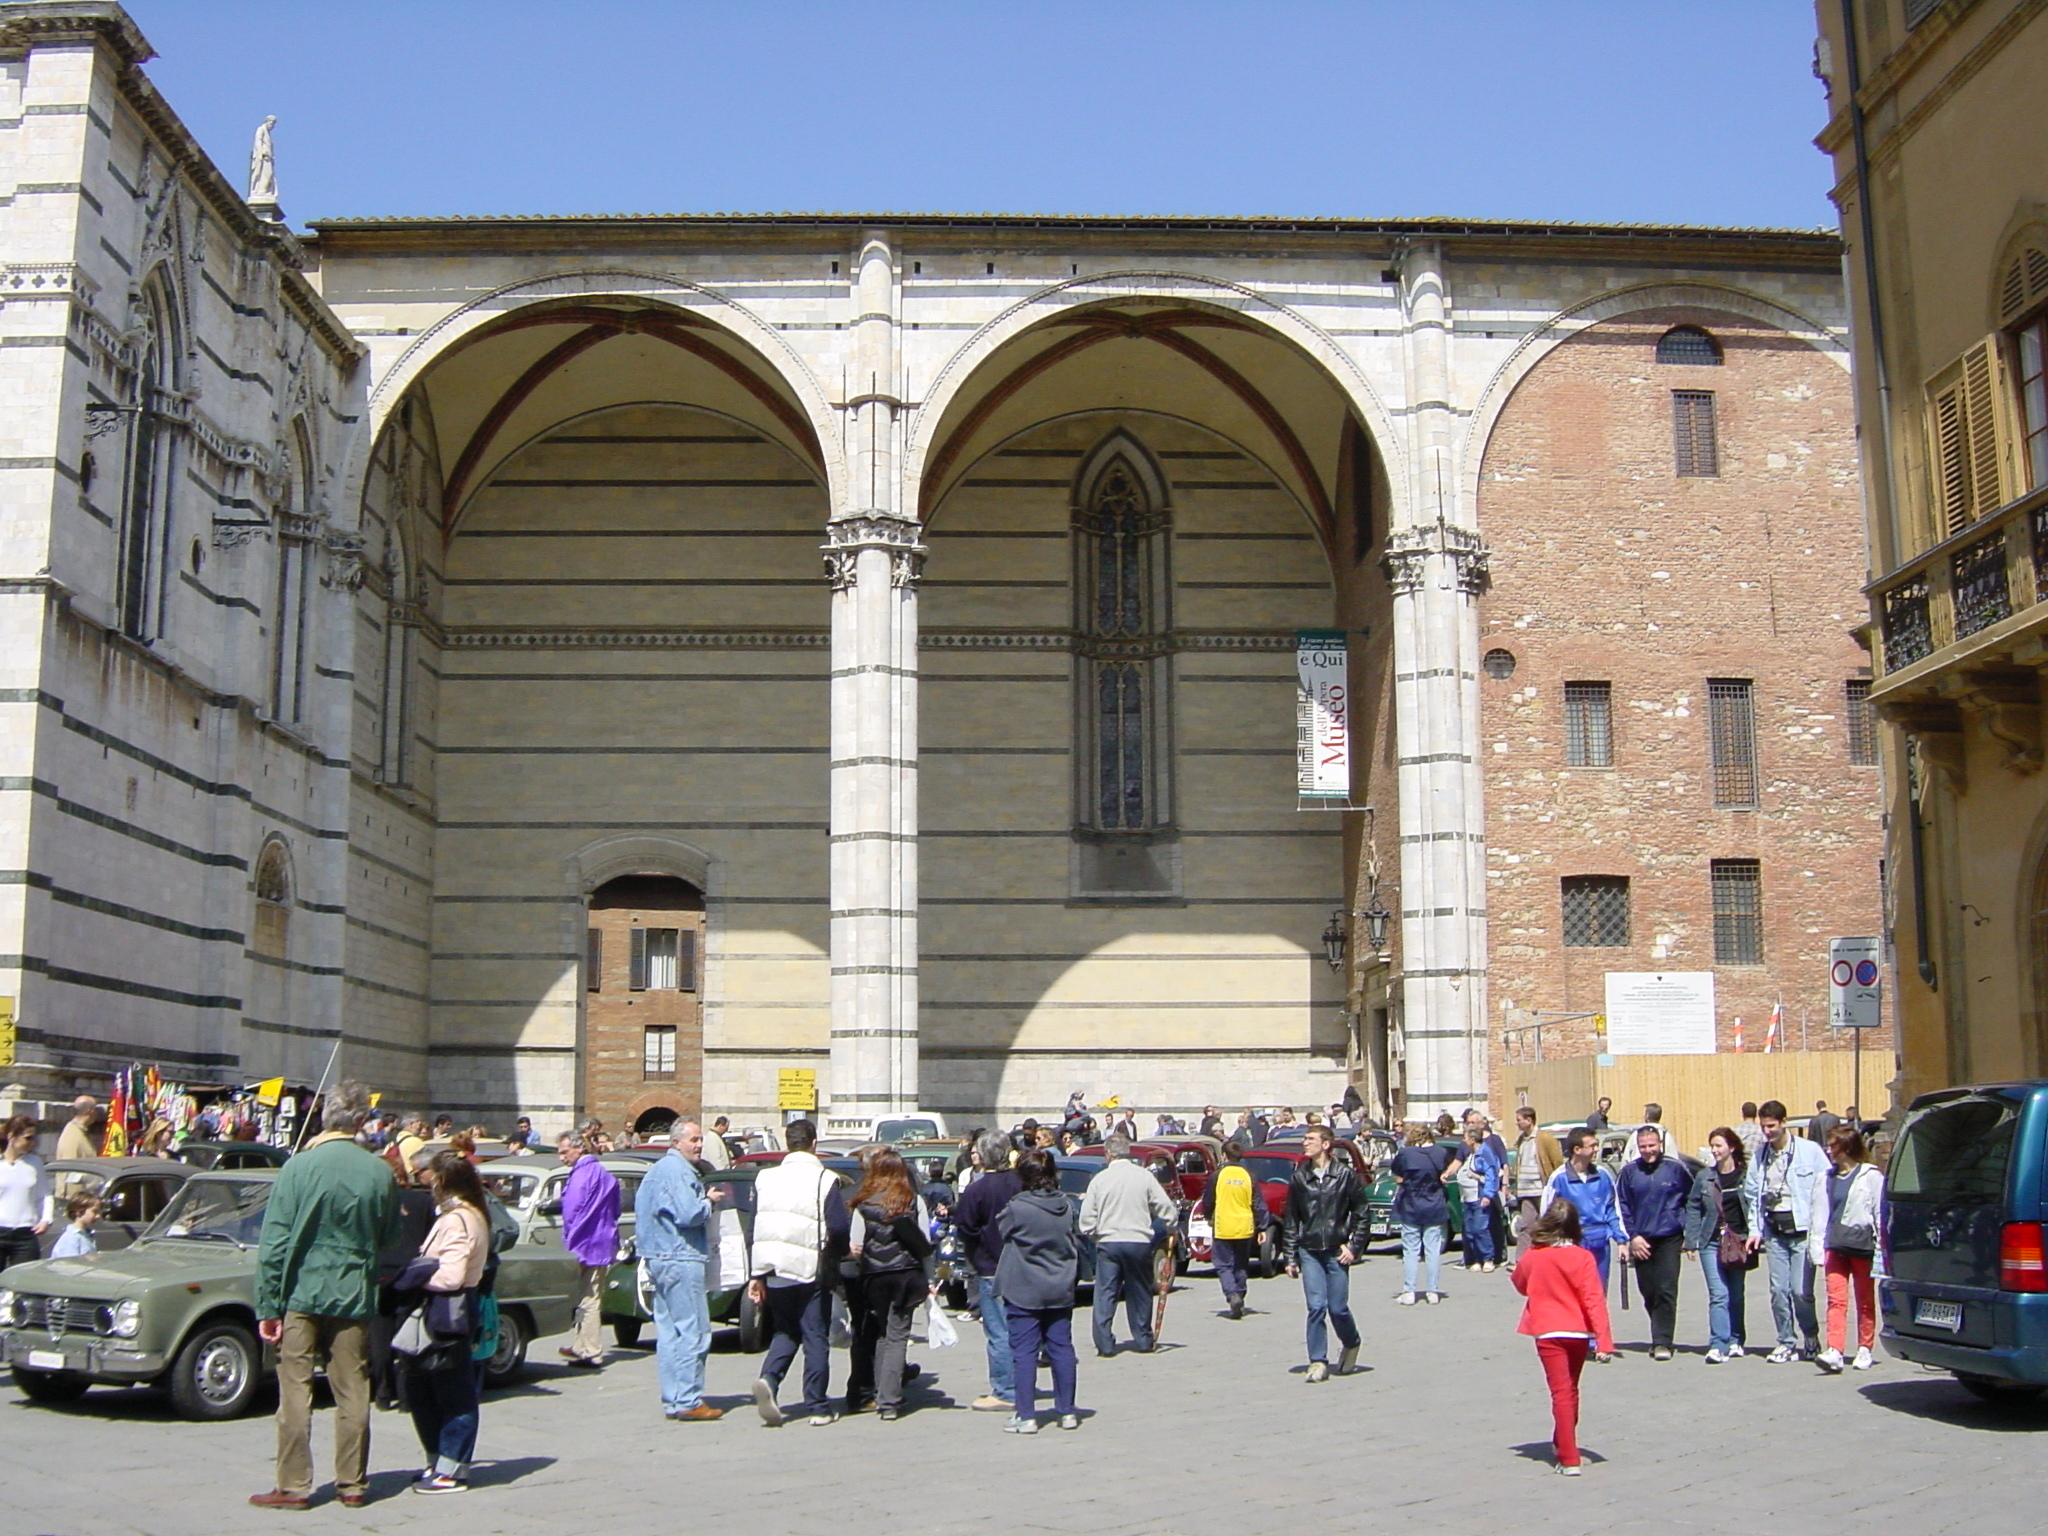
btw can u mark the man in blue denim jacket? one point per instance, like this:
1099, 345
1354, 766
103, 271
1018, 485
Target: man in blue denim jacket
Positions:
674, 1216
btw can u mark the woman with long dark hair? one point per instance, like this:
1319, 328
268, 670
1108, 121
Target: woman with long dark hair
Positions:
1717, 1228
894, 1256
1566, 1314
442, 1381
1037, 1276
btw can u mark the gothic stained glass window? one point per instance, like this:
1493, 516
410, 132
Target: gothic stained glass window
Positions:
1120, 528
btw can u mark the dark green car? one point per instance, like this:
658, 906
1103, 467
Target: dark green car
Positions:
1380, 1198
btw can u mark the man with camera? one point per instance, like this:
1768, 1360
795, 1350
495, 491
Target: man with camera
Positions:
1787, 1188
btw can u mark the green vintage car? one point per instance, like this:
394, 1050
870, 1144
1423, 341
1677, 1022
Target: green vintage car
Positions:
176, 1309
1380, 1198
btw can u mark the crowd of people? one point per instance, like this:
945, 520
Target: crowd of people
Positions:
376, 1262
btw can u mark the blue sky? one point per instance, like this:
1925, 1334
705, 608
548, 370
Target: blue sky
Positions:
1660, 111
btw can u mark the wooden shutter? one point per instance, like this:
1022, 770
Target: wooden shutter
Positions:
2025, 284
593, 960
1692, 432
638, 980
1971, 450
686, 960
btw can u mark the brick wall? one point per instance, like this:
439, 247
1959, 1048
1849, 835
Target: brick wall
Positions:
1609, 566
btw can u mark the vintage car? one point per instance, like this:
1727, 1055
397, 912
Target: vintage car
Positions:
229, 1155
1380, 1197
133, 1192
531, 1189
1272, 1165
176, 1309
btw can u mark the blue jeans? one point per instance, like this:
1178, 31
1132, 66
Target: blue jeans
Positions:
1792, 1291
1427, 1244
995, 1333
1123, 1269
801, 1314
1725, 1322
444, 1414
1053, 1331
1480, 1247
682, 1330
1326, 1285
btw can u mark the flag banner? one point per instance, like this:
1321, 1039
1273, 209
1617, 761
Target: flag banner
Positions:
1322, 715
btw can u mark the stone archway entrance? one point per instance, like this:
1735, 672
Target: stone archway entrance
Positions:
643, 1044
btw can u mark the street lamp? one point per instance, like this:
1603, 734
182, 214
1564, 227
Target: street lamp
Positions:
1376, 917
1335, 940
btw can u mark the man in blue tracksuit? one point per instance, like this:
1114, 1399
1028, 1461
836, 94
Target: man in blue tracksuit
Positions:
674, 1214
1592, 1189
1653, 1195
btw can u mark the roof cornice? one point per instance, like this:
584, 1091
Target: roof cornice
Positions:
26, 24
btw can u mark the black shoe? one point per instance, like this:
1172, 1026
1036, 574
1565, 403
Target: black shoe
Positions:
1237, 1306
911, 1373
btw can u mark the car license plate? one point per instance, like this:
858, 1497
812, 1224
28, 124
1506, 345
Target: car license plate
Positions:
1939, 1314
1381, 1229
45, 1360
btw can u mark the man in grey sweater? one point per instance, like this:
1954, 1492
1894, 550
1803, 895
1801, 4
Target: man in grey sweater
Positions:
1126, 1213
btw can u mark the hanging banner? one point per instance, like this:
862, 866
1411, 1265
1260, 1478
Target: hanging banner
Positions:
1322, 715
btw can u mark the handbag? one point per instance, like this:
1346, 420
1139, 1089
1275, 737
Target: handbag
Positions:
1733, 1246
413, 1338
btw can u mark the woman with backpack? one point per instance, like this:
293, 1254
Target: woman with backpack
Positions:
442, 1379
1566, 1314
1717, 1228
1855, 1197
894, 1254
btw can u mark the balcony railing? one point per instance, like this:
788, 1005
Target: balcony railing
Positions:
1969, 582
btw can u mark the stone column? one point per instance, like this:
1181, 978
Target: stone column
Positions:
872, 560
1437, 567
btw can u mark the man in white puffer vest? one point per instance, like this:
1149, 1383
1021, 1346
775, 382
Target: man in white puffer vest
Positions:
798, 1204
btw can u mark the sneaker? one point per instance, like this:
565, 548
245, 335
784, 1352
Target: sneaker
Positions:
1864, 1359
820, 1420
1347, 1362
887, 1415
1829, 1360
1716, 1356
1017, 1426
1784, 1354
1660, 1352
764, 1404
1236, 1307
1318, 1371
1070, 1421
1570, 1471
1405, 1299
439, 1482
1432, 1297
990, 1403
1736, 1351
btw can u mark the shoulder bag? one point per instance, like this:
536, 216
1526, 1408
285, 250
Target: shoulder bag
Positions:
1733, 1246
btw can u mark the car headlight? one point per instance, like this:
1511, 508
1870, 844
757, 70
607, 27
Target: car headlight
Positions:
127, 1319
10, 1309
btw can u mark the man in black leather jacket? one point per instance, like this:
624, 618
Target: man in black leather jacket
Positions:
1321, 1234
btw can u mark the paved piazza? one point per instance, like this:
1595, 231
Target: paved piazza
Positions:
1216, 1435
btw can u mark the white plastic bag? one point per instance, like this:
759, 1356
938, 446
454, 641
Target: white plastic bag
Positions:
939, 1331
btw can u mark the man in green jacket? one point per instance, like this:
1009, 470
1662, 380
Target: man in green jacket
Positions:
332, 1208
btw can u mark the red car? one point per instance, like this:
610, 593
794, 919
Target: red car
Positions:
1273, 1165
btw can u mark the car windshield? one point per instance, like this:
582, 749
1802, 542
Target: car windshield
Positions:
906, 1130
516, 1189
1269, 1170
212, 1209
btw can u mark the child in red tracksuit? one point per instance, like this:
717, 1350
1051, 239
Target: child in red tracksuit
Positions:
1566, 1314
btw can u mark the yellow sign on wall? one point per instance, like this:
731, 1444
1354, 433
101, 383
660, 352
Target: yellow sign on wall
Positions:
6, 1031
797, 1088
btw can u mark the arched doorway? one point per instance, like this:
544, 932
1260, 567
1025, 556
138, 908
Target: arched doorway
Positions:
643, 1038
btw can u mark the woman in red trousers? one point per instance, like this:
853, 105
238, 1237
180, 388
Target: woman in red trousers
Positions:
1566, 1313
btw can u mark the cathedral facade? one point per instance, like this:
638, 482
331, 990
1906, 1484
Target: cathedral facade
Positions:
606, 664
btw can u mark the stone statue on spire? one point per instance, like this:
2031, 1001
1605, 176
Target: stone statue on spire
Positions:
262, 198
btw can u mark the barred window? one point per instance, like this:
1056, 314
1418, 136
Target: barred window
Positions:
1731, 740
1862, 721
1689, 346
1738, 886
1692, 433
1595, 911
658, 1050
1588, 725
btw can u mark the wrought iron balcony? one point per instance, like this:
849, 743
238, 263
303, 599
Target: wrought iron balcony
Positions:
1972, 592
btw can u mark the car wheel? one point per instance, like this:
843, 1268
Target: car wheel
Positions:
216, 1373
508, 1364
1267, 1259
1990, 1388
753, 1326
626, 1331
51, 1386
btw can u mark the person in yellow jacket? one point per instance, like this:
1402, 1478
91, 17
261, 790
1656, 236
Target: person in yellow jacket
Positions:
1237, 1216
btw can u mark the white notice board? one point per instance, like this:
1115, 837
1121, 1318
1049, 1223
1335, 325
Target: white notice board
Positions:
1660, 1013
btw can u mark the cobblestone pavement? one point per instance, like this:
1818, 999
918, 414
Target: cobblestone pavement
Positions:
1217, 1434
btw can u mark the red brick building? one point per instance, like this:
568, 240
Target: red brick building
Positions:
1679, 762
